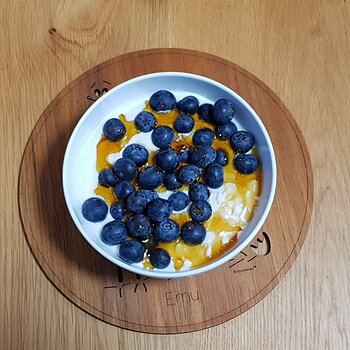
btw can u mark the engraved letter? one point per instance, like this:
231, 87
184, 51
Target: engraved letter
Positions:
169, 299
193, 297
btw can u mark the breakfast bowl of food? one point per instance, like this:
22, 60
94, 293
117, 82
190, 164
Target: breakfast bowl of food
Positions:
169, 174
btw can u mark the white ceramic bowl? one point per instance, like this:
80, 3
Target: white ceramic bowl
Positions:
79, 167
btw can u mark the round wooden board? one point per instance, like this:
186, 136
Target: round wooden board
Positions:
132, 301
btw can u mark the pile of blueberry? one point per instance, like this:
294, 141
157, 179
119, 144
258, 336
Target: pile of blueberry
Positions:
141, 217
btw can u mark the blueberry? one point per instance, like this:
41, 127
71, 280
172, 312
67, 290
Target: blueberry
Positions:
223, 111
167, 159
162, 101
179, 200
214, 175
159, 210
242, 141
117, 211
225, 131
162, 136
202, 156
131, 251
122, 189
137, 153
159, 258
193, 233
138, 226
149, 195
205, 112
151, 177
171, 181
107, 178
189, 105
184, 124
221, 157
95, 209
125, 169
246, 163
167, 231
203, 137
200, 211
199, 192
189, 174
114, 129
151, 243
145, 121
114, 232
136, 202
184, 155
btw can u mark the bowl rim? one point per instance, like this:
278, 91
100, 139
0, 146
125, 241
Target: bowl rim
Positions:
201, 269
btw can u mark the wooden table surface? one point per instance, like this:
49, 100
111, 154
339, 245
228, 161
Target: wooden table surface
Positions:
300, 49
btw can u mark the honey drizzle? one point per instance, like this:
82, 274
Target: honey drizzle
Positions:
107, 193
106, 147
147, 264
178, 250
163, 118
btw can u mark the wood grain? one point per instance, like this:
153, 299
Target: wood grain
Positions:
132, 301
300, 49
